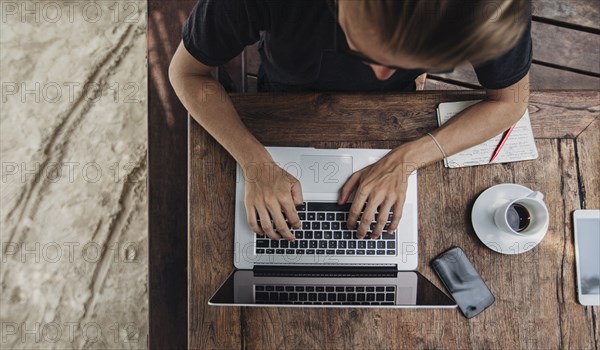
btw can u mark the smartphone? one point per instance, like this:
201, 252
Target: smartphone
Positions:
463, 282
587, 255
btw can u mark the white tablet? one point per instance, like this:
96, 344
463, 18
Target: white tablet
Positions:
587, 255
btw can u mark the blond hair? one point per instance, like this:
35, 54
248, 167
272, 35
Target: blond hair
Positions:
447, 32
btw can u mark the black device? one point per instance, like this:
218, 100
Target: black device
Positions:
463, 282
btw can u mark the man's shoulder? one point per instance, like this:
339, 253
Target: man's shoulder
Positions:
276, 10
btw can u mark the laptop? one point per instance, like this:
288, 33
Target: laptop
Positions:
327, 265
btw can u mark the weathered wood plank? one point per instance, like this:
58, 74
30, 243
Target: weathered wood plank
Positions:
566, 47
211, 192
588, 150
284, 328
327, 117
566, 112
540, 78
167, 166
584, 13
576, 321
300, 119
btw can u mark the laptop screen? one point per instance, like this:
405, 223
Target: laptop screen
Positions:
320, 289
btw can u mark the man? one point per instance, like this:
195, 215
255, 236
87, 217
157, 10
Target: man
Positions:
356, 45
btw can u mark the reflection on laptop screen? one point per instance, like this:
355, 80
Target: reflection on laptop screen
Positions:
400, 289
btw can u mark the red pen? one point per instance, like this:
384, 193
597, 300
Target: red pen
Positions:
502, 142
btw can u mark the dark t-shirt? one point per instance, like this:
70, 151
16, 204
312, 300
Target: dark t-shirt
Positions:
296, 45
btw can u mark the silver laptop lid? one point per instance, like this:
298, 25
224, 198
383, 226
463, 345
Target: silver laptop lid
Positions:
322, 173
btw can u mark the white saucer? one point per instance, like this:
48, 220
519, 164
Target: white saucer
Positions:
493, 237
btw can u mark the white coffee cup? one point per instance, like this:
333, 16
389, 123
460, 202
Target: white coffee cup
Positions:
535, 208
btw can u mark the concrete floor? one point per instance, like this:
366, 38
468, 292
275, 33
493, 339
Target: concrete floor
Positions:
73, 192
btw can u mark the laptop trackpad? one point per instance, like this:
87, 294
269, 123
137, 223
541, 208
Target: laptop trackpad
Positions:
322, 174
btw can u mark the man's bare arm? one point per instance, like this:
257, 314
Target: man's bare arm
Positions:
383, 184
496, 113
210, 105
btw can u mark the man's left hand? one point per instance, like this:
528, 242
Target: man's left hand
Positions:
382, 188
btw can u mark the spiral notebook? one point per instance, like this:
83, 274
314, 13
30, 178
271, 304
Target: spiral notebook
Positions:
519, 146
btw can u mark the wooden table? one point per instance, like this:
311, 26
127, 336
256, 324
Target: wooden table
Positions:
535, 292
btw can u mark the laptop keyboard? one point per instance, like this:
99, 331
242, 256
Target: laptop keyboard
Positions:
325, 295
324, 232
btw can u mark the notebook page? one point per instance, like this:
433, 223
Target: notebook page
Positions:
519, 146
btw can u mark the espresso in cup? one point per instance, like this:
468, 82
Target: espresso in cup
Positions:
518, 217
523, 216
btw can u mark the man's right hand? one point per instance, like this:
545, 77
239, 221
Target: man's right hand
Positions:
270, 190
273, 194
